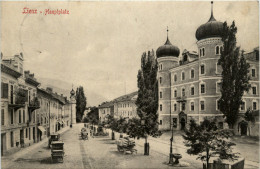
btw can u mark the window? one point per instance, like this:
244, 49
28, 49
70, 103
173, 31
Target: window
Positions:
175, 93
242, 106
192, 106
218, 87
254, 89
202, 106
217, 50
24, 116
3, 117
183, 106
202, 69
202, 88
182, 75
175, 107
218, 105
174, 122
160, 122
160, 107
254, 106
192, 91
160, 80
183, 92
26, 132
253, 72
20, 118
192, 73
12, 116
202, 52
29, 133
175, 78
160, 96
12, 138
4, 90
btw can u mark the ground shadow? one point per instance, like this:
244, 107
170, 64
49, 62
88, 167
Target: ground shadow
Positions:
46, 160
28, 160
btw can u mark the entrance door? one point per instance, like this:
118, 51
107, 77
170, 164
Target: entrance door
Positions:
182, 124
34, 134
3, 144
243, 129
21, 138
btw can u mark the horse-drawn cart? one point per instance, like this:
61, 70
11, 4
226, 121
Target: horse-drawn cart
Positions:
125, 144
57, 151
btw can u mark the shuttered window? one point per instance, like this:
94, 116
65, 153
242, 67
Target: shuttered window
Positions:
3, 117
4, 90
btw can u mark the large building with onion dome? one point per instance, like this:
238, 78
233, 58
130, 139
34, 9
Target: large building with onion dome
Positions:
189, 85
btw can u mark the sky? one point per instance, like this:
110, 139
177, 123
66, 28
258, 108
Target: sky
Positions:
98, 45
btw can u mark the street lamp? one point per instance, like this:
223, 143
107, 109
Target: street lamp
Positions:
146, 145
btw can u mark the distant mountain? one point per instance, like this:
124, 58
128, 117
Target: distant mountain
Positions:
62, 87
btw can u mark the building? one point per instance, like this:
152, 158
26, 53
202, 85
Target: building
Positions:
28, 113
125, 106
121, 107
189, 86
54, 112
104, 110
19, 105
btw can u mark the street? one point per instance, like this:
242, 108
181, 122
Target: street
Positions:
100, 152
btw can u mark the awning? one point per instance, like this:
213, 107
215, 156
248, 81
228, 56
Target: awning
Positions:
42, 129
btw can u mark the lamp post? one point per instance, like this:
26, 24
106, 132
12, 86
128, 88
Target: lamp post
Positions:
146, 145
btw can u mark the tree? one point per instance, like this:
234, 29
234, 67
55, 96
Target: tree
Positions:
92, 116
147, 100
235, 78
206, 141
81, 102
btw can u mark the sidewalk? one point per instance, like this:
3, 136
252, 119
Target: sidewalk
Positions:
5, 160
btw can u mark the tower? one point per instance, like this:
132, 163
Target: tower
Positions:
167, 57
73, 106
210, 45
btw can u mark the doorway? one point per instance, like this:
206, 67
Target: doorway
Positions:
21, 138
183, 124
3, 144
243, 127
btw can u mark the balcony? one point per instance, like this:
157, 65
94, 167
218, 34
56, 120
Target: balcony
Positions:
20, 99
34, 104
181, 99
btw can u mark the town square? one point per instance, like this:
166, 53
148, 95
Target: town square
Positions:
127, 84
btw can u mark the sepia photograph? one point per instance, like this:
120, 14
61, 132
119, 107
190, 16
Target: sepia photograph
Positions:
129, 84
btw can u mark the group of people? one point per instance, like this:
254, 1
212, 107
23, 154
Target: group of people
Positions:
84, 133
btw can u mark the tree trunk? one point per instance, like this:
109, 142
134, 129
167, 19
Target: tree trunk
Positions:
207, 158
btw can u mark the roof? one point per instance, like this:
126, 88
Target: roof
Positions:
52, 95
106, 105
127, 97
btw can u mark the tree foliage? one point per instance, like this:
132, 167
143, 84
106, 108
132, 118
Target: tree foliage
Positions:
81, 102
147, 100
92, 116
206, 141
235, 78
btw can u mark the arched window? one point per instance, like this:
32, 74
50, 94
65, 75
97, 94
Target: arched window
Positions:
192, 106
160, 80
202, 69
183, 91
175, 93
175, 78
203, 51
217, 50
182, 75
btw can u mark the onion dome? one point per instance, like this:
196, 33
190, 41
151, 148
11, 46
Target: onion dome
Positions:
167, 49
72, 92
210, 29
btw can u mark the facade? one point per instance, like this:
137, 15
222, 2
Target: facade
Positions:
121, 107
28, 113
189, 86
19, 105
125, 106
104, 110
